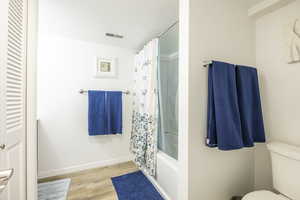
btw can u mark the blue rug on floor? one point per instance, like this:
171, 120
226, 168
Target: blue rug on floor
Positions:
135, 186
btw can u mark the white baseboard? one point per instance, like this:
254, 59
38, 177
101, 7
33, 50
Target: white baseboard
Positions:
157, 186
76, 168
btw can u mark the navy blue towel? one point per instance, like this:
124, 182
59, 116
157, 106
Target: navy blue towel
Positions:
234, 108
224, 124
250, 106
105, 112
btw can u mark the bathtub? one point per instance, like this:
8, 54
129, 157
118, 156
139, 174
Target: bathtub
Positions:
166, 181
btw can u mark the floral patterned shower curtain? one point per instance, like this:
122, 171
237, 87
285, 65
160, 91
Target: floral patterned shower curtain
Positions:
145, 108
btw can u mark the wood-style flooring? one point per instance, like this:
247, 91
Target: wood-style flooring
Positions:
94, 184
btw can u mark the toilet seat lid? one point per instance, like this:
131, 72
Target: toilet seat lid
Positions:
264, 195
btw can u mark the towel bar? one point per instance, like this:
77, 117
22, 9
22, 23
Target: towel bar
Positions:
82, 91
206, 63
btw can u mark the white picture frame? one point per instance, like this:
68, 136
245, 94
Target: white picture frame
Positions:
105, 68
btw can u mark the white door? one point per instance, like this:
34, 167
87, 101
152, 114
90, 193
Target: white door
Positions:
13, 24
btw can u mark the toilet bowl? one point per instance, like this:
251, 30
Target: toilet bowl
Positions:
286, 177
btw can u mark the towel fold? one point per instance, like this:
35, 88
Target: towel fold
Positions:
250, 105
114, 114
234, 118
105, 112
224, 126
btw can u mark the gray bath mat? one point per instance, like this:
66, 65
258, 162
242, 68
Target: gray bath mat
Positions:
54, 190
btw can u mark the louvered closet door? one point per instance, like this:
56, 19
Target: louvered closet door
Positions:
13, 22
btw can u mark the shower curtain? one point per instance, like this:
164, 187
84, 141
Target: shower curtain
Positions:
145, 109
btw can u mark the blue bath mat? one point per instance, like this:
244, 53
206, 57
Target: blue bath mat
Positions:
135, 186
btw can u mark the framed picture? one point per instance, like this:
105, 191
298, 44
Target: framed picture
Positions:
106, 68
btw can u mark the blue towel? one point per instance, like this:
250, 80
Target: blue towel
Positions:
235, 117
114, 114
224, 124
105, 112
250, 105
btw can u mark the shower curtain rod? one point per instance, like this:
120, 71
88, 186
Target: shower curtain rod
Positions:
170, 27
164, 32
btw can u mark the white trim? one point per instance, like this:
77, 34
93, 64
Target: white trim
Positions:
31, 130
157, 186
91, 165
266, 7
183, 99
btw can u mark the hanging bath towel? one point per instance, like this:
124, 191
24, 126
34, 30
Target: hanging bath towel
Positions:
105, 112
250, 106
224, 124
114, 114
234, 107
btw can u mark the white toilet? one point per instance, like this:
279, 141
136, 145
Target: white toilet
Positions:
286, 174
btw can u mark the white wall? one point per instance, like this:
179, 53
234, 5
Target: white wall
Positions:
64, 67
221, 30
280, 86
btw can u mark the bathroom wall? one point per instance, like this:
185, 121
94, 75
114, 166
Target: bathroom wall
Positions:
280, 85
220, 30
64, 67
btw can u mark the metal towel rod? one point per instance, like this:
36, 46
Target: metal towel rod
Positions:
206, 63
82, 91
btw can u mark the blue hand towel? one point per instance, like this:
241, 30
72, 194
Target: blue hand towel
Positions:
224, 124
114, 114
250, 105
105, 112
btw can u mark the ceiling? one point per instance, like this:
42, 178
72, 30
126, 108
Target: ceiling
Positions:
137, 20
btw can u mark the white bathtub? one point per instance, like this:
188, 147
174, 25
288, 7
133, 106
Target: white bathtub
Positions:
167, 176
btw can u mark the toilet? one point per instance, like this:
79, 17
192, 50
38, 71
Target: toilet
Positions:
286, 174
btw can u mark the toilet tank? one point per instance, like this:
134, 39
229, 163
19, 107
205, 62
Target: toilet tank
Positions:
286, 169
